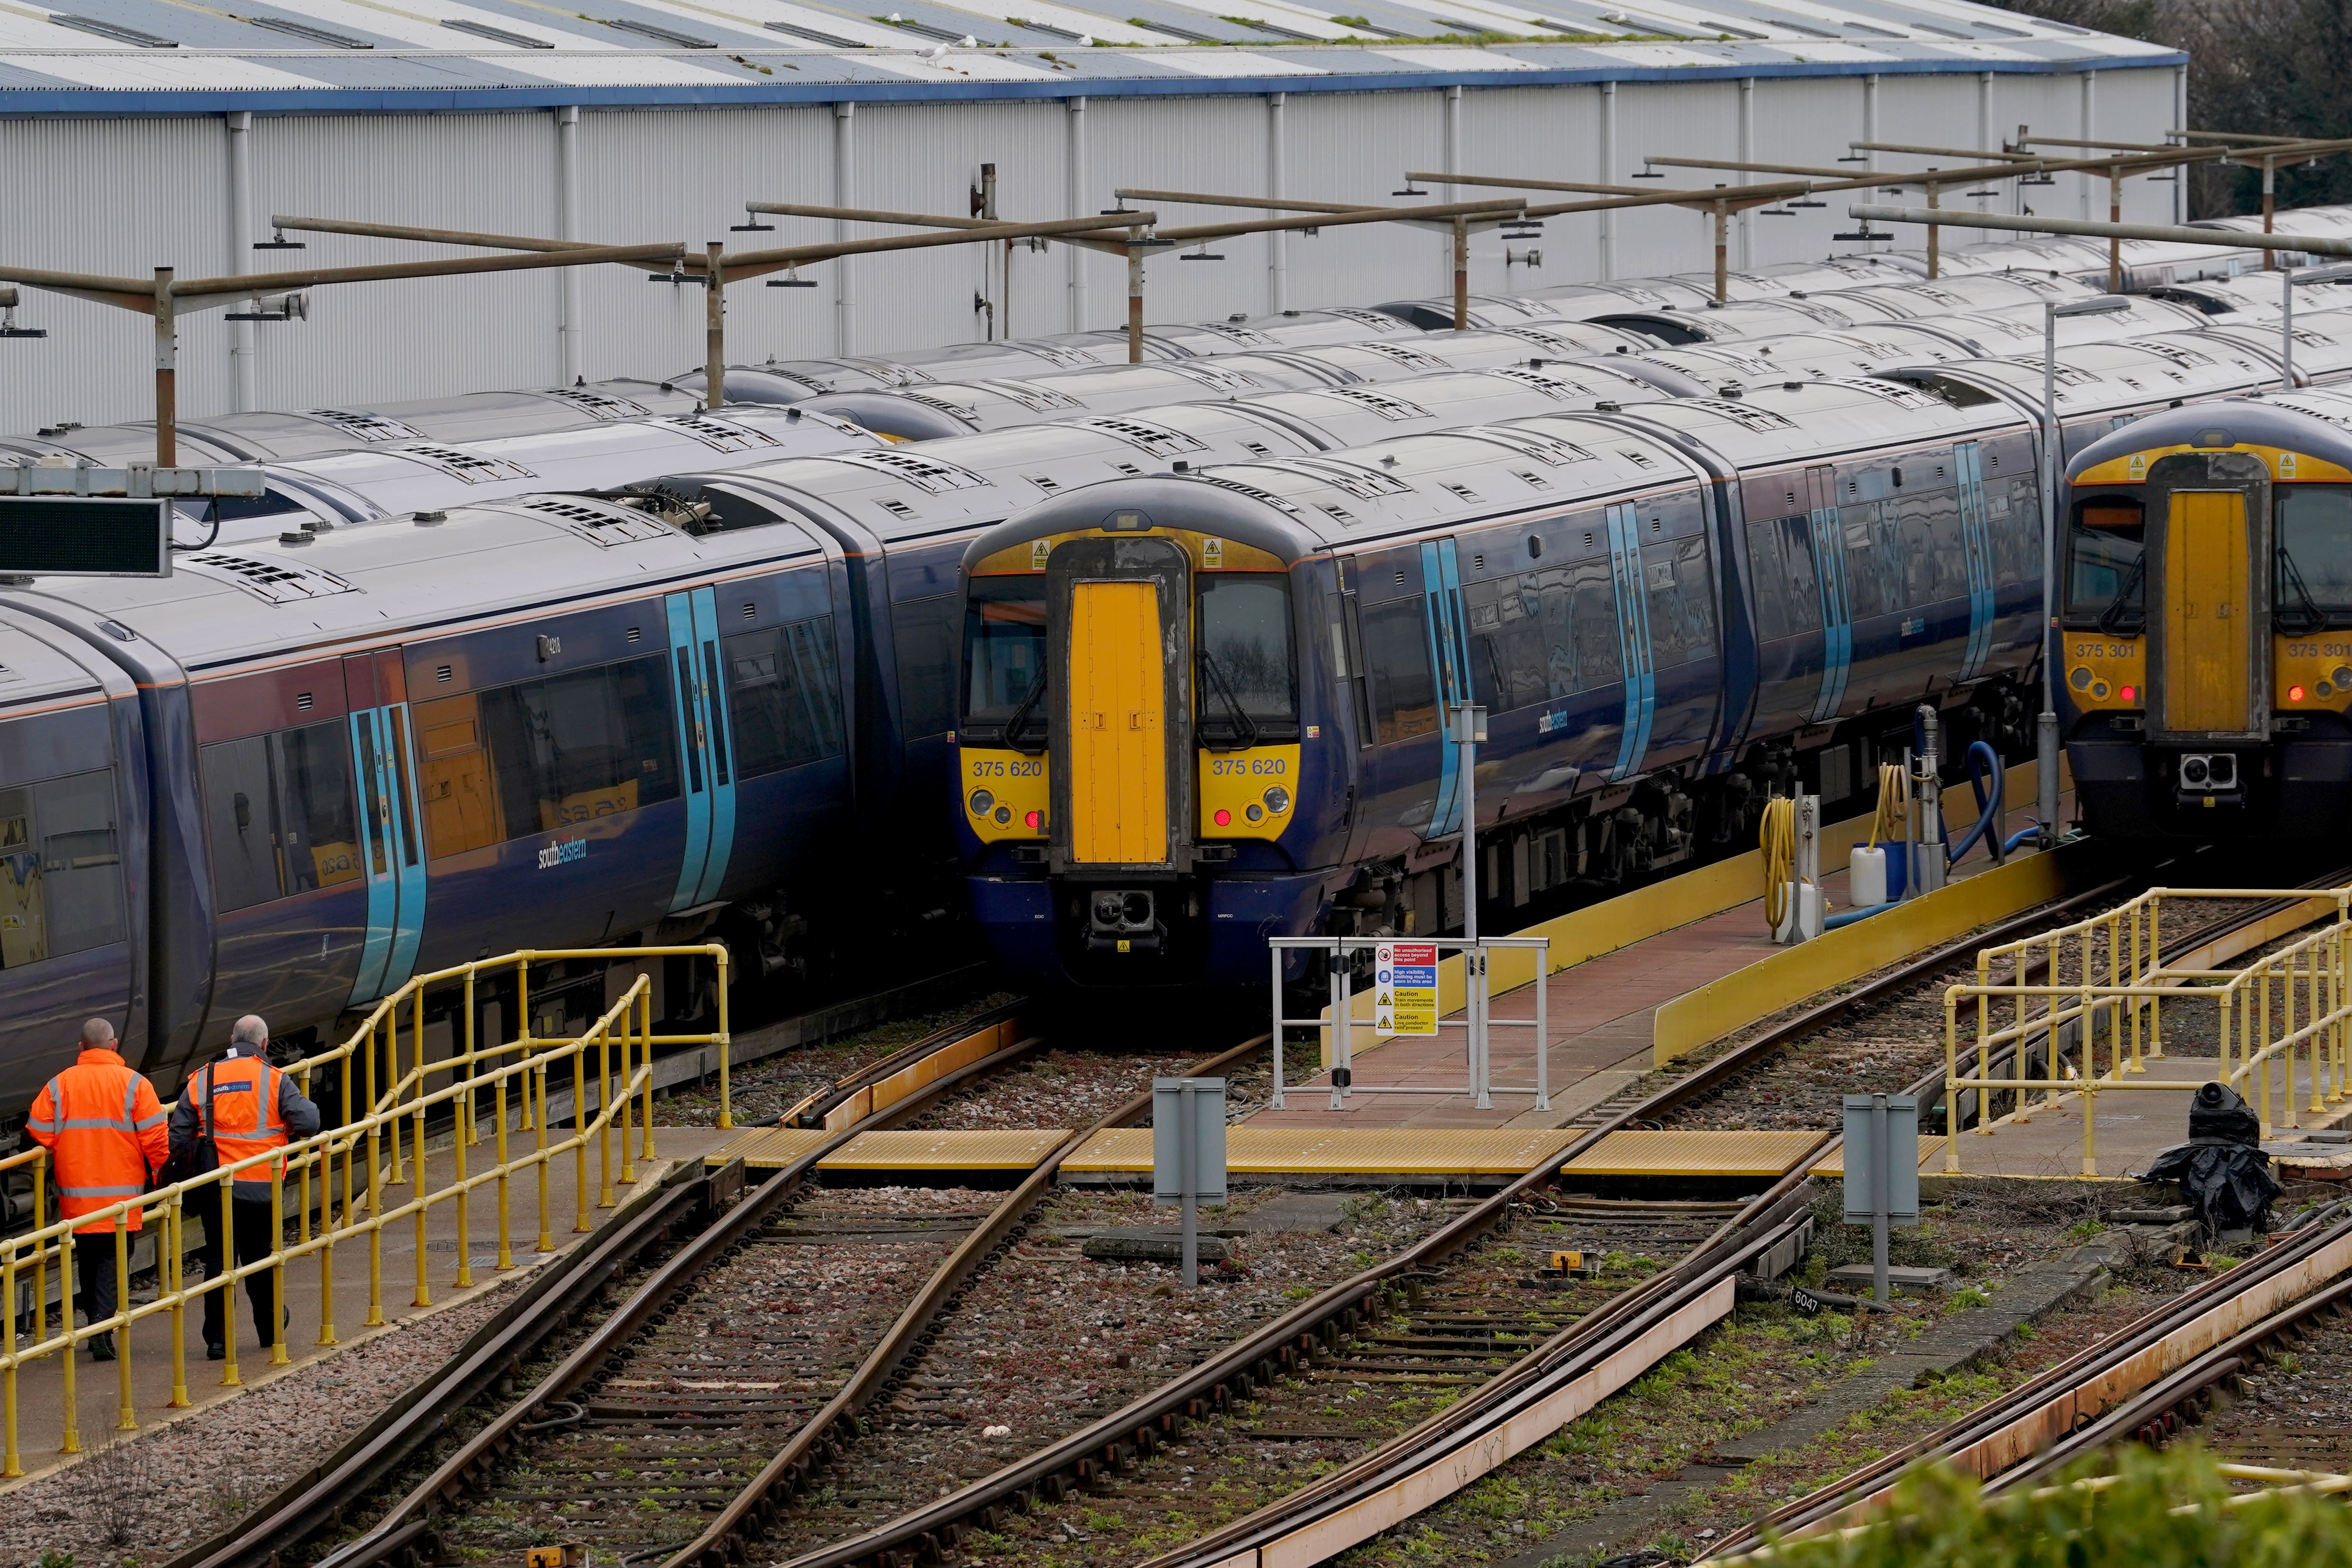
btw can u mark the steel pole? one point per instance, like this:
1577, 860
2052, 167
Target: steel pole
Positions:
2287, 329
714, 326
1135, 300
167, 373
2045, 728
1461, 275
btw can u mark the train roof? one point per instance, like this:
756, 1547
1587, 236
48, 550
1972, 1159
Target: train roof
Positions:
503, 558
1863, 350
2256, 296
1436, 314
40, 669
2312, 422
2112, 377
1775, 424
288, 434
1913, 298
1748, 319
2323, 340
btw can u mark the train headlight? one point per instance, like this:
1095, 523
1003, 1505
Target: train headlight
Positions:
2341, 675
2195, 772
1003, 816
2080, 679
1254, 812
1277, 800
983, 803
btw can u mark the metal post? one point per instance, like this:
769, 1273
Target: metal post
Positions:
1073, 201
2045, 728
11, 1461
175, 1245
242, 393
1187, 1124
2115, 242
277, 1356
126, 1416
226, 1282
567, 221
1461, 275
1607, 174
2287, 329
726, 1042
69, 1266
1274, 958
1935, 231
1135, 298
2270, 206
1543, 1028
1881, 1185
1722, 259
1277, 255
1746, 154
845, 195
1466, 720
714, 326
167, 373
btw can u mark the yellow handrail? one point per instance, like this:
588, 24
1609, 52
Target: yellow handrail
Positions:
360, 1146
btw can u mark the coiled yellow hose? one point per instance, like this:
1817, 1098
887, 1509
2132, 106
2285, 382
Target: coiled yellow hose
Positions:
1778, 840
1888, 823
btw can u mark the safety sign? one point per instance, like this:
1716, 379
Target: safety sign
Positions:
1404, 993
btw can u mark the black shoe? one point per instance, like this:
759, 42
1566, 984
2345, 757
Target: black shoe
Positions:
216, 1351
102, 1349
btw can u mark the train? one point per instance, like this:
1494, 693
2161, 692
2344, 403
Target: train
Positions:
402, 716
2202, 642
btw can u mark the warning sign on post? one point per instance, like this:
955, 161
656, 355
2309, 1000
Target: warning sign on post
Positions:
1404, 994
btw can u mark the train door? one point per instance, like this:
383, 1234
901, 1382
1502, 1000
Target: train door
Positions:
1976, 546
2209, 619
1837, 614
701, 714
1636, 655
1449, 648
391, 847
1118, 786
1394, 635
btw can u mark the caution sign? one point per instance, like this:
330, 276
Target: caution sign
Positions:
1404, 993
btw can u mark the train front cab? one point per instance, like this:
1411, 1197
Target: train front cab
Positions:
1130, 749
2204, 637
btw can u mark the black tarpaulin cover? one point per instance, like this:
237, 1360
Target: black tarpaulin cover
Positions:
2222, 1175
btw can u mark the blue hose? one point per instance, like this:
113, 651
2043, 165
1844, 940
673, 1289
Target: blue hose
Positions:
1847, 916
1983, 762
2023, 836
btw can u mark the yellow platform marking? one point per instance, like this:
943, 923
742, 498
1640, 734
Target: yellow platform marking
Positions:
1016, 1149
1931, 1158
1349, 1151
1693, 1154
767, 1148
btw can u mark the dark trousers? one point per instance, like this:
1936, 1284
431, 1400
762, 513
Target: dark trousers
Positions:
255, 1238
94, 1268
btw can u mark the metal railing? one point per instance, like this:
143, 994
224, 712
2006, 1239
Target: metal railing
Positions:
343, 1176
2294, 1001
1477, 1017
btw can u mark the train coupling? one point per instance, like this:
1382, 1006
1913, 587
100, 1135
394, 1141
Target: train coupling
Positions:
1124, 921
2210, 779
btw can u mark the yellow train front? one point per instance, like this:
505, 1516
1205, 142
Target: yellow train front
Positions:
2202, 631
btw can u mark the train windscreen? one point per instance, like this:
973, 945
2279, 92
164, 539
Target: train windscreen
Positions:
2105, 574
1004, 656
1248, 687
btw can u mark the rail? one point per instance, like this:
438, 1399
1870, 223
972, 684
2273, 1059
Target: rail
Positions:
355, 1165
2295, 1000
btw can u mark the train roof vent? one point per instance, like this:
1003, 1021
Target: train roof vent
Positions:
1529, 443
2180, 354
933, 474
277, 582
1035, 398
719, 435
1241, 336
944, 404
1380, 320
1223, 380
602, 526
888, 372
1364, 483
473, 468
1268, 496
1410, 357
1067, 355
1902, 392
1156, 439
364, 427
1386, 404
598, 405
1745, 414
1551, 383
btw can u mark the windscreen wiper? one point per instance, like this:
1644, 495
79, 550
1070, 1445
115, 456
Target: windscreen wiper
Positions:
2293, 575
1245, 727
1020, 719
2111, 619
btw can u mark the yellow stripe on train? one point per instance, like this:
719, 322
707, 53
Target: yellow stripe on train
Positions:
2132, 467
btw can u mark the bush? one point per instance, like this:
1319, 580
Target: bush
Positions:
1936, 1519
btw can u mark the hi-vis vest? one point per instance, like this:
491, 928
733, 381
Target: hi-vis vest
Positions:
104, 1130
238, 1101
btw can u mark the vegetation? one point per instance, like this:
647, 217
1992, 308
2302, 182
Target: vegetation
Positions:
2172, 1509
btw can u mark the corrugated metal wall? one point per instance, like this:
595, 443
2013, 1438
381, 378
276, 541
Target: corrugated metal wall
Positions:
129, 194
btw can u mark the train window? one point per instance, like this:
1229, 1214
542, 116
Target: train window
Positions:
924, 633
784, 694
1245, 649
2104, 563
1682, 602
1934, 565
461, 798
1546, 635
1004, 651
1788, 596
1396, 657
2315, 546
1874, 561
60, 868
573, 748
279, 814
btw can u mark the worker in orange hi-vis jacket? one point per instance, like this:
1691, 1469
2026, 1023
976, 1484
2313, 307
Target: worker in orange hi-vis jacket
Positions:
105, 1133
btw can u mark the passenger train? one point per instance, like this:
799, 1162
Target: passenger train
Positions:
2204, 635
319, 759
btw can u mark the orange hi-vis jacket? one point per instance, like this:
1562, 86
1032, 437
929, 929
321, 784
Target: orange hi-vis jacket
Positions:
104, 1127
238, 1100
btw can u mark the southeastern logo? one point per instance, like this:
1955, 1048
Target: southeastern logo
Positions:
562, 851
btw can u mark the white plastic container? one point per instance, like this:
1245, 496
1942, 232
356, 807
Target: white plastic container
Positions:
1865, 876
1802, 919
